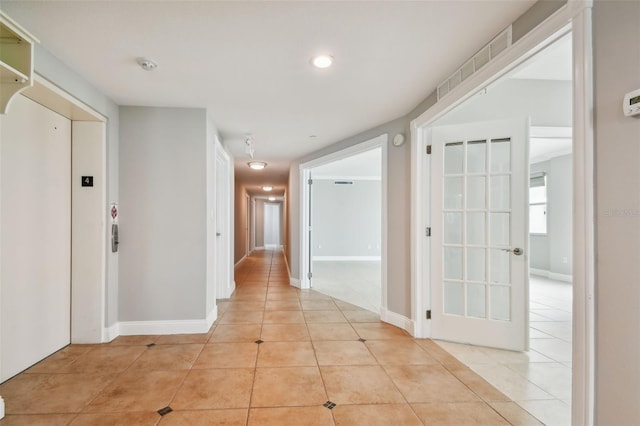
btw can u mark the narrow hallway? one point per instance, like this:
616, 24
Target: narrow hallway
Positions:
276, 356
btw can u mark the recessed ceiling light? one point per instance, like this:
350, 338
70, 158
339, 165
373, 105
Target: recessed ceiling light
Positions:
272, 198
257, 165
322, 61
267, 188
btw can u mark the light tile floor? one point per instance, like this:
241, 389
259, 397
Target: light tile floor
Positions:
276, 356
539, 380
357, 282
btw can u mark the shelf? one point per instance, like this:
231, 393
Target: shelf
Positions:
16, 60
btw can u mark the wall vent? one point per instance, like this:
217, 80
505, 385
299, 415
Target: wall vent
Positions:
479, 60
343, 182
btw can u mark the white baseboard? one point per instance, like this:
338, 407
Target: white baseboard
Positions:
398, 320
135, 328
110, 333
551, 275
346, 258
240, 261
213, 315
560, 277
295, 282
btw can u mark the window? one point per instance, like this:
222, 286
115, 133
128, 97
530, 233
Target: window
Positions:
538, 203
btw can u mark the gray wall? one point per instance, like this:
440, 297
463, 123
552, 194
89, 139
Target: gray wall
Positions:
549, 251
346, 219
54, 70
617, 71
163, 214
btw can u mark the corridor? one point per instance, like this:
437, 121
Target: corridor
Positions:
276, 356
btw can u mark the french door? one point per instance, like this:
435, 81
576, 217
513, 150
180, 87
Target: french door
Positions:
479, 233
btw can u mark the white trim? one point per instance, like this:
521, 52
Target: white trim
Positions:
380, 141
551, 275
583, 347
145, 328
346, 258
212, 316
110, 333
295, 282
398, 320
273, 246
353, 178
1, 408
240, 261
577, 13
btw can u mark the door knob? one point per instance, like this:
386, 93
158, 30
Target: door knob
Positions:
218, 234
517, 251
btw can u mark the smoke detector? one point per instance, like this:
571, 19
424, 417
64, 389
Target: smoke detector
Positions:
147, 64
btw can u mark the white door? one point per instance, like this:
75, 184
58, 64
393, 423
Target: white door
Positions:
479, 233
35, 156
222, 229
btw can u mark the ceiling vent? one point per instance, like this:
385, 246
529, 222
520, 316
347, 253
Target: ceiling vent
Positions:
479, 60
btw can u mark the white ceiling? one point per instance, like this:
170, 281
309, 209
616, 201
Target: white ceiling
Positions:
247, 62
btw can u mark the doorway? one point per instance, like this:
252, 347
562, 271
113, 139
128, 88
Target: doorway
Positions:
543, 368
53, 277
272, 226
344, 222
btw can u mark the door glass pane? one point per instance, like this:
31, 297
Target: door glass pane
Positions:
500, 155
453, 298
499, 229
499, 267
476, 300
500, 303
476, 228
500, 192
452, 263
475, 264
453, 158
476, 198
476, 156
453, 193
453, 228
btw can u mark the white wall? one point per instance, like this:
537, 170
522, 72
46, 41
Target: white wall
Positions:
163, 214
346, 219
617, 71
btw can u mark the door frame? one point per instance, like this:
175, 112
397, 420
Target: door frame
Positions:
574, 17
90, 237
305, 173
226, 286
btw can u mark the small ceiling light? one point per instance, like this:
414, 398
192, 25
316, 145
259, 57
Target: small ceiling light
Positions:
322, 61
147, 64
257, 165
267, 188
272, 198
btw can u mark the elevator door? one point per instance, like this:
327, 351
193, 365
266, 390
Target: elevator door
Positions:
35, 233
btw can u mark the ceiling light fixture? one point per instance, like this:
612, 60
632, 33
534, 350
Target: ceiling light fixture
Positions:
257, 165
147, 64
322, 61
249, 149
272, 198
267, 188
